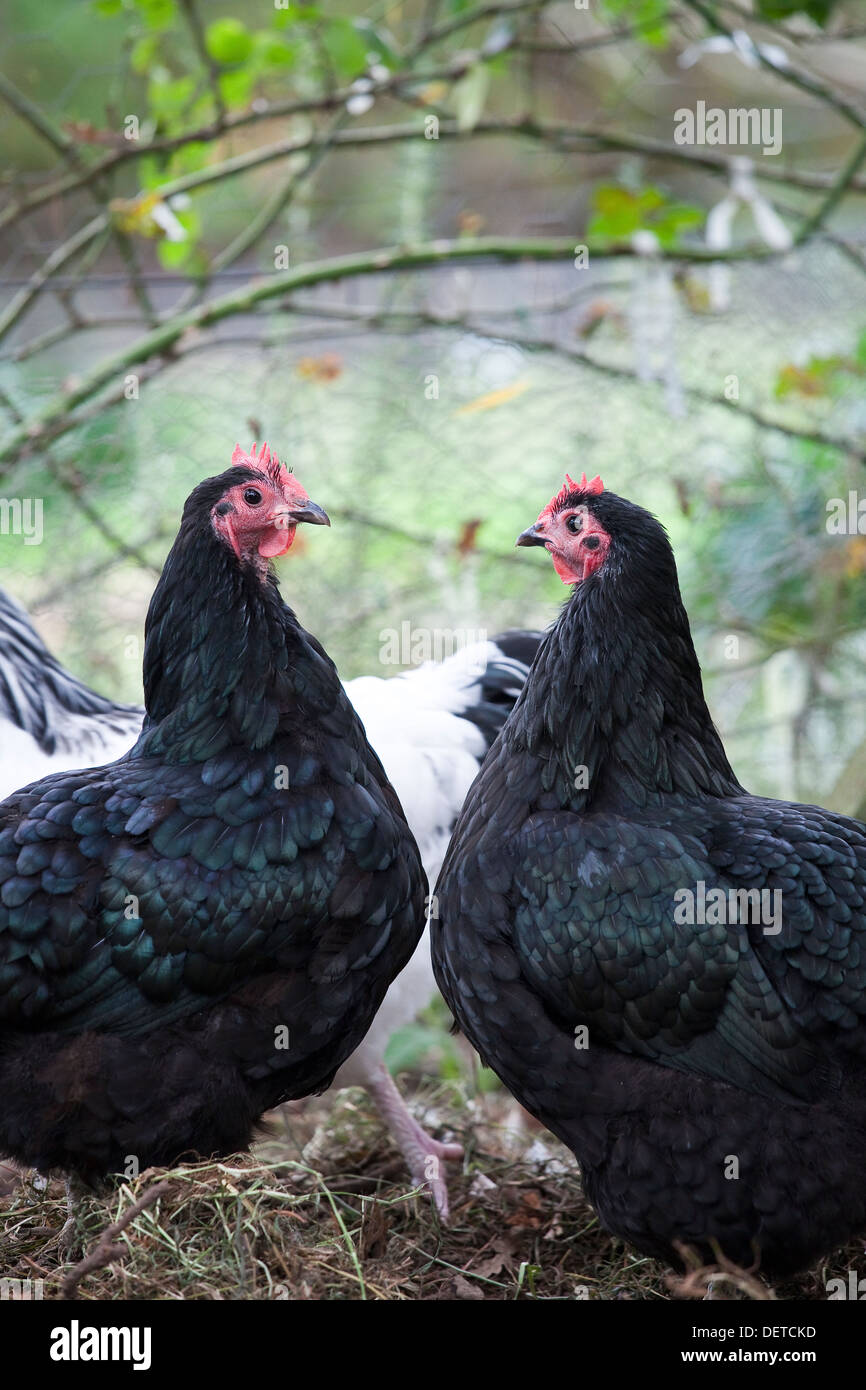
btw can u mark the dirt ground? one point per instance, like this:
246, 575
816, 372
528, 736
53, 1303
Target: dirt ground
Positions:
322, 1209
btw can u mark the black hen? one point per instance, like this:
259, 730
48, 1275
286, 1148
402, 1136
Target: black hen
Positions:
668, 972
431, 726
207, 926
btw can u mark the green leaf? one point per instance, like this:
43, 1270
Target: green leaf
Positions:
295, 14
150, 173
169, 98
648, 16
144, 52
676, 218
173, 254
236, 87
228, 41
188, 159
273, 51
107, 6
469, 96
345, 47
620, 212
379, 43
202, 109
158, 14
819, 10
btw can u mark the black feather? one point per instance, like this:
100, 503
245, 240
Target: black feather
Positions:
165, 918
720, 1099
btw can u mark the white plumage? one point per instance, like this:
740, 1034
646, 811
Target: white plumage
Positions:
49, 720
431, 727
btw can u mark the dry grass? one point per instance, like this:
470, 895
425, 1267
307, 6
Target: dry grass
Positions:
322, 1210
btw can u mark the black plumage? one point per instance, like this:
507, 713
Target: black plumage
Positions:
709, 1076
207, 926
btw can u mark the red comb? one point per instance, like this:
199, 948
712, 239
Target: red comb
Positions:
266, 461
593, 487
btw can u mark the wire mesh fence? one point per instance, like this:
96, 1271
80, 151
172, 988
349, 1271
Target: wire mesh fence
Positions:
195, 251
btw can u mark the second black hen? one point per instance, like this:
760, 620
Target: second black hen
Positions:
668, 972
206, 927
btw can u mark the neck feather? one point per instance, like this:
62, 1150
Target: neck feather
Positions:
221, 655
615, 705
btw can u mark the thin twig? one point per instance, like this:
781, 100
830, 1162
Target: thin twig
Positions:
793, 76
106, 1250
60, 256
407, 321
610, 369
835, 195
329, 101
72, 485
270, 209
194, 22
469, 17
588, 138
36, 118
63, 331
396, 84
61, 142
57, 416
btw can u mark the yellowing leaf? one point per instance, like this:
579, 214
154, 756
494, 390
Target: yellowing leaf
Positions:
855, 556
432, 94
148, 215
804, 381
325, 368
470, 223
695, 291
493, 399
135, 215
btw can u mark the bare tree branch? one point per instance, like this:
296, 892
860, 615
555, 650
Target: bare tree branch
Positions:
840, 187
58, 417
794, 76
60, 256
401, 85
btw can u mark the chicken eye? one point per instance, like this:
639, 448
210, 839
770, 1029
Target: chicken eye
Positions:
574, 523
591, 542
252, 496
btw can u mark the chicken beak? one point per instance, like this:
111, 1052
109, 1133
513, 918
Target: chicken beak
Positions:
298, 512
311, 512
532, 536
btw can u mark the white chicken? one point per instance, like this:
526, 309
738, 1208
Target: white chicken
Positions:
432, 727
49, 720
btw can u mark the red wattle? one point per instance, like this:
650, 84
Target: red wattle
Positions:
564, 569
277, 541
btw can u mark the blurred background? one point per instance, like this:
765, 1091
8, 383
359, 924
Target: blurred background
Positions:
437, 253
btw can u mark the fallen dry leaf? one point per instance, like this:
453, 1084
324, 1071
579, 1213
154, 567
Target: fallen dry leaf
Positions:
324, 368
492, 399
464, 1289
